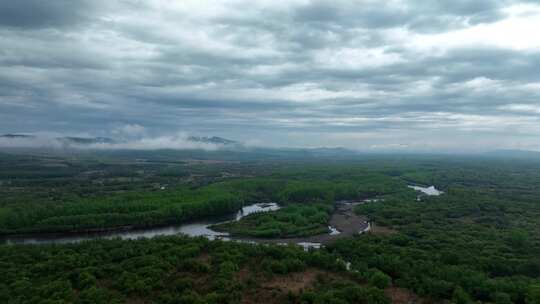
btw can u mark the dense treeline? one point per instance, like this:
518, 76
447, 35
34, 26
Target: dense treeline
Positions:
466, 245
452, 273
178, 270
175, 204
133, 208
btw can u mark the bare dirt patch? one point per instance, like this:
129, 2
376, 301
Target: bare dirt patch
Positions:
294, 282
381, 230
243, 274
402, 296
347, 221
204, 258
135, 301
269, 296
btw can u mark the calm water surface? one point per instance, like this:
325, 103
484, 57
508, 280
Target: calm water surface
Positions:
194, 229
198, 228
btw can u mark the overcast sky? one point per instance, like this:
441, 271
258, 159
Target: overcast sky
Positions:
400, 75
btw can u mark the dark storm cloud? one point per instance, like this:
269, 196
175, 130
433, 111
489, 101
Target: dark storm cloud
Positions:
351, 73
36, 14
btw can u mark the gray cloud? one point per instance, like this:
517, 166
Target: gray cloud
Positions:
36, 14
179, 141
350, 73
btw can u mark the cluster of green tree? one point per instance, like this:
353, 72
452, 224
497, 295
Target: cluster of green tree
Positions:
25, 179
329, 290
295, 220
328, 191
28, 209
465, 246
177, 270
130, 208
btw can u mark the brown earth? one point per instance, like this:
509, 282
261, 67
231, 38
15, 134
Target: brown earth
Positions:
293, 282
381, 230
402, 296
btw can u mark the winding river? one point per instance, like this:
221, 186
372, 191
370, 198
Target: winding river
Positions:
344, 222
193, 229
197, 228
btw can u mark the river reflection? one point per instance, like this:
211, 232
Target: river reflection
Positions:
194, 229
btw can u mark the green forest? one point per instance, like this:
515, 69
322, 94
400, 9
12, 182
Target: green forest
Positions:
177, 270
479, 242
72, 212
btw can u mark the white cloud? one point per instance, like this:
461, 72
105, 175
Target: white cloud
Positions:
356, 58
516, 32
179, 141
129, 131
521, 108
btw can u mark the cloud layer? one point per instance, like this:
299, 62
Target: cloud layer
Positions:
178, 141
436, 75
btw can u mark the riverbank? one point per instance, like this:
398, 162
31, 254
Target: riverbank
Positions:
343, 219
343, 222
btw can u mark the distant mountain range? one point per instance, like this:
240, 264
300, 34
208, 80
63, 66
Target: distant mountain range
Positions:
14, 136
227, 145
86, 140
106, 140
525, 154
15, 140
212, 140
67, 139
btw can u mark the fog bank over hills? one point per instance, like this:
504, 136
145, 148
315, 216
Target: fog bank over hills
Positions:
179, 142
202, 145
